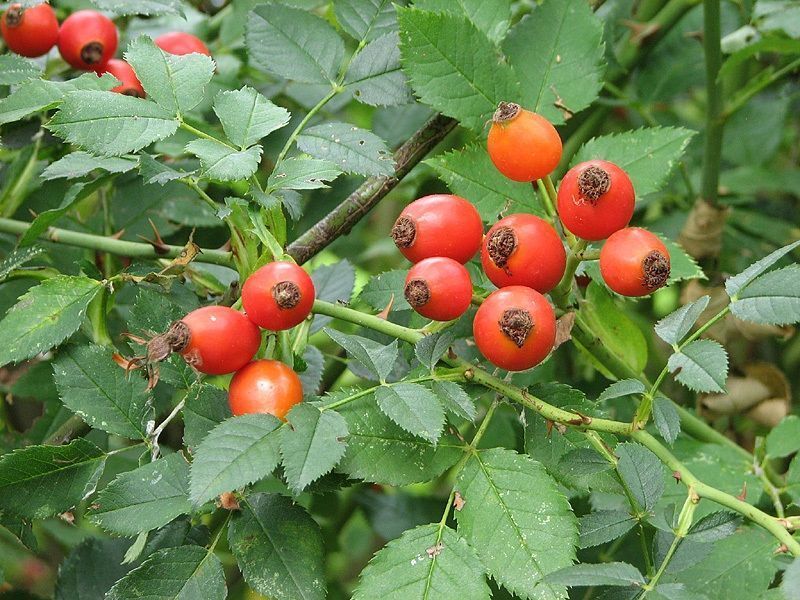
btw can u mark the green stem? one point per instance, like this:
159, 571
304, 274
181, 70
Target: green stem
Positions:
114, 246
743, 98
202, 134
15, 195
712, 152
684, 523
547, 200
297, 130
561, 292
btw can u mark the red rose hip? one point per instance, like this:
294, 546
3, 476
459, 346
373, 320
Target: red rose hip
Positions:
634, 262
265, 386
278, 296
438, 225
439, 288
87, 40
30, 31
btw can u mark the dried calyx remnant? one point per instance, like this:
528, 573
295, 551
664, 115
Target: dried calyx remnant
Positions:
92, 53
417, 292
517, 324
175, 339
404, 232
656, 270
505, 112
286, 294
501, 245
593, 183
14, 16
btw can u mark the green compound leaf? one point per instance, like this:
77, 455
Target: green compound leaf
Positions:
141, 7
674, 327
223, 163
615, 574
772, 299
45, 316
279, 548
205, 408
453, 66
557, 53
101, 393
414, 408
15, 69
302, 174
80, 163
350, 148
427, 562
603, 526
642, 472
518, 521
735, 284
247, 116
492, 18
784, 439
78, 576
365, 19
622, 388
236, 452
375, 75
17, 258
376, 358
145, 498
40, 481
701, 366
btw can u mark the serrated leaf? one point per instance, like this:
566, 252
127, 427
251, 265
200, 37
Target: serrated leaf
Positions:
15, 69
469, 172
603, 526
17, 258
428, 562
238, 451
622, 388
381, 452
492, 18
141, 7
581, 462
616, 574
772, 299
517, 520
279, 548
156, 172
453, 66
647, 155
312, 445
101, 393
714, 527
682, 266
734, 285
293, 43
205, 408
790, 586
78, 576
110, 124
45, 316
701, 366
432, 347
666, 418
455, 400
375, 357
375, 75
350, 148
79, 163
183, 573
40, 481
674, 327
301, 174
145, 498
386, 288
784, 439
333, 283
175, 82
414, 408
365, 19
642, 472
247, 116
557, 53
223, 163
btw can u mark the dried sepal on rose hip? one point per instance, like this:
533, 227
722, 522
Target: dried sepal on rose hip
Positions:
439, 288
87, 40
595, 199
523, 145
31, 31
634, 262
215, 340
265, 386
278, 296
515, 328
522, 249
438, 225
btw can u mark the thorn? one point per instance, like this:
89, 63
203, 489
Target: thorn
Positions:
782, 549
640, 31
549, 427
743, 495
384, 314
676, 475
458, 501
158, 244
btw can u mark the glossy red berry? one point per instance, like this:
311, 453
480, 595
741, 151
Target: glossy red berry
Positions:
595, 199
278, 296
30, 31
265, 386
523, 249
178, 42
515, 328
634, 262
215, 339
87, 40
438, 225
129, 83
439, 288
523, 146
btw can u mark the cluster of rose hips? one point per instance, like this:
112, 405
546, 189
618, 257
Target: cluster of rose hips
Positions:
218, 340
522, 254
87, 40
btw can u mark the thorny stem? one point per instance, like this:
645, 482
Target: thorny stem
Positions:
684, 523
475, 374
712, 152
